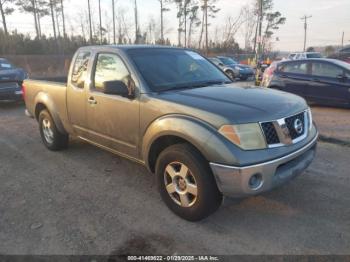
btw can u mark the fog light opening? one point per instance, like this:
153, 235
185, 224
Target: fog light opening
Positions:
255, 182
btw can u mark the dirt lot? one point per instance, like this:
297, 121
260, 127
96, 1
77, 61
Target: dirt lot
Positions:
87, 201
333, 122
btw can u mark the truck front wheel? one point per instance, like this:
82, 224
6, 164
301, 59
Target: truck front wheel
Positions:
51, 137
186, 183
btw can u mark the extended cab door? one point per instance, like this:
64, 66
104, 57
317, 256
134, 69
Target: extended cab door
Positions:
77, 85
329, 85
113, 120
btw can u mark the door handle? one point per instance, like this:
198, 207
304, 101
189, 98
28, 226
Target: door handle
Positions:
92, 101
316, 80
284, 76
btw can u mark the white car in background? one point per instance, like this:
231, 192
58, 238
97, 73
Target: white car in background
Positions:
304, 55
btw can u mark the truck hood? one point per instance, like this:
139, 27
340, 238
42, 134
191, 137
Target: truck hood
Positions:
236, 105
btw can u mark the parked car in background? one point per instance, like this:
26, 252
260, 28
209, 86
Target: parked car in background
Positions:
11, 79
307, 55
243, 72
291, 56
321, 81
343, 55
226, 69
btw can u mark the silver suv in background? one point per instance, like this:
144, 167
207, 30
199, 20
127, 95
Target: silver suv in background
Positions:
304, 55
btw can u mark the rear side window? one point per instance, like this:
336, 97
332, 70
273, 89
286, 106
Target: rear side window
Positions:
79, 74
109, 67
294, 68
314, 55
326, 70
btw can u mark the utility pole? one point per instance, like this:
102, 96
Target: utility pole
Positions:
136, 24
99, 11
305, 18
206, 26
90, 23
113, 11
342, 40
258, 33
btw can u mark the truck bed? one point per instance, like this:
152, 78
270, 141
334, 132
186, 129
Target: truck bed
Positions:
56, 79
47, 89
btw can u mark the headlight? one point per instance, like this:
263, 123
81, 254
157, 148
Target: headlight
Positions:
238, 68
246, 136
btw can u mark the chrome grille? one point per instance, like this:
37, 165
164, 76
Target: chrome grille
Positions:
286, 131
6, 85
290, 124
270, 133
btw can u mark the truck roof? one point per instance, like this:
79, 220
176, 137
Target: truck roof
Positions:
127, 47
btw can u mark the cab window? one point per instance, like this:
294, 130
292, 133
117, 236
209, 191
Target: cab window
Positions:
326, 70
109, 67
79, 73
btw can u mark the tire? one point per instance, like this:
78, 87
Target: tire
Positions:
51, 137
197, 179
244, 78
231, 75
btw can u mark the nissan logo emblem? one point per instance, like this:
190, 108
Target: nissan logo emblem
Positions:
298, 126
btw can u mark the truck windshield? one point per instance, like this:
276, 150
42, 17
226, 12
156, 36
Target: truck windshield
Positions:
170, 69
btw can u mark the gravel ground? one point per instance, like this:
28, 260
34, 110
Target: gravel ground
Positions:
333, 122
87, 201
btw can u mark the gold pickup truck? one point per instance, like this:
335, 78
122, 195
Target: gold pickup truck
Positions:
175, 112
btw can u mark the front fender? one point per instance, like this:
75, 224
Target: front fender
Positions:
45, 99
200, 134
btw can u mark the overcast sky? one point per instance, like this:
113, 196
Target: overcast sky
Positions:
329, 19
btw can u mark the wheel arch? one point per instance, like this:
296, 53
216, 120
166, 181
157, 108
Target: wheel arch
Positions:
175, 129
44, 102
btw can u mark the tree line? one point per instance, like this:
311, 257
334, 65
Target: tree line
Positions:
195, 26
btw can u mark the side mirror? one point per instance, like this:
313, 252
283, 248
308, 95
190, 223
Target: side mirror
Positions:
117, 88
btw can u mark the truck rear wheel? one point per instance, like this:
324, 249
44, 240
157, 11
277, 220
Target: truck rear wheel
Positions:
51, 137
186, 183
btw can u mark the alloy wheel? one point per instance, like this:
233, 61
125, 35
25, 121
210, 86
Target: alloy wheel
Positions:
180, 184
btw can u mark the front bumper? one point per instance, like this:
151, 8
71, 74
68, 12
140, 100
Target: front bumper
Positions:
251, 180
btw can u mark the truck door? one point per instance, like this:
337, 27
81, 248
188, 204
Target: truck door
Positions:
76, 93
113, 119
